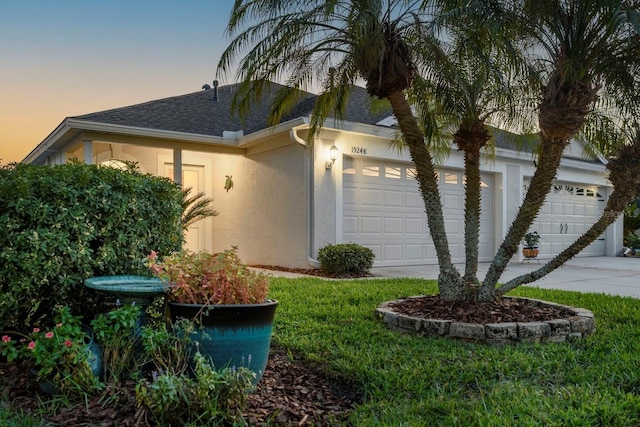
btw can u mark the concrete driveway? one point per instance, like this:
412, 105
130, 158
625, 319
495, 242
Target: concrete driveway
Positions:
609, 275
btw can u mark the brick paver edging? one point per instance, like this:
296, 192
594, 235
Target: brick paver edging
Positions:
580, 324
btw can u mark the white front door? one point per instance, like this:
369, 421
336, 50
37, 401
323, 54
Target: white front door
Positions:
568, 212
383, 210
193, 177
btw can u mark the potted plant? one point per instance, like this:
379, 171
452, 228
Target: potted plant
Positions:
530, 248
632, 244
224, 297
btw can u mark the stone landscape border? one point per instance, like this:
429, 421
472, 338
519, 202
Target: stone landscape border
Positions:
577, 325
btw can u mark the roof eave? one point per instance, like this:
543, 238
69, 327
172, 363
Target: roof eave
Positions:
70, 128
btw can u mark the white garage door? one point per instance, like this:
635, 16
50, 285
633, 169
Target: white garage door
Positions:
383, 210
569, 211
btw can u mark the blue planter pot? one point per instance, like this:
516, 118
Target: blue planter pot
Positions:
232, 335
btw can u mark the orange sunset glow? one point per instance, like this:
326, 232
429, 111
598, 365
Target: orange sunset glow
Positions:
71, 57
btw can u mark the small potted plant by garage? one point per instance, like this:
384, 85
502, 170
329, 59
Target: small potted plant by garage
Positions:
226, 299
530, 242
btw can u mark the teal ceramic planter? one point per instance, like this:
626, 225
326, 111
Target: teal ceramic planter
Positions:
232, 335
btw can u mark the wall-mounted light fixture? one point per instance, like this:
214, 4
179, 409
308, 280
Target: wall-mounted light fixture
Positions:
333, 155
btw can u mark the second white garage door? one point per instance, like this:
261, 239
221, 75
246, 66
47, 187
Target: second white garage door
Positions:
569, 211
383, 210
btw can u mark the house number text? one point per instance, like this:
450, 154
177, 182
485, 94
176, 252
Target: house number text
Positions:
358, 150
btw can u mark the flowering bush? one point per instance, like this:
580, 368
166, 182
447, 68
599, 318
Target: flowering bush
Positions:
204, 278
58, 355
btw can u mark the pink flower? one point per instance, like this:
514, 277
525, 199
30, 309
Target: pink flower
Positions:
58, 325
36, 330
49, 335
32, 345
6, 338
68, 343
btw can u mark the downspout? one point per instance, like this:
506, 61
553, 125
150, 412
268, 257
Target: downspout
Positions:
309, 183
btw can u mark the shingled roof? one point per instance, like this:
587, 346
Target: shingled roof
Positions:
199, 113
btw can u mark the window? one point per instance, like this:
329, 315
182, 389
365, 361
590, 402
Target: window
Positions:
393, 173
347, 166
371, 171
451, 178
115, 164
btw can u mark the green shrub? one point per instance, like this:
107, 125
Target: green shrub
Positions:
115, 331
345, 259
63, 224
212, 398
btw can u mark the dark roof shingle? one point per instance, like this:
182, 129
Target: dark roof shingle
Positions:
198, 113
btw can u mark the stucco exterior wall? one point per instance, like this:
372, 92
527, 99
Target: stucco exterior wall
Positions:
265, 212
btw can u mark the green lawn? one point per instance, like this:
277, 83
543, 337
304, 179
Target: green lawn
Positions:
404, 380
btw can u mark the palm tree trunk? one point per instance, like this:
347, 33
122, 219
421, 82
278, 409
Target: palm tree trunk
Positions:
450, 284
472, 214
615, 206
470, 139
548, 163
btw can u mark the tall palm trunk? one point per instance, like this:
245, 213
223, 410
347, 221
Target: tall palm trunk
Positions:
563, 109
541, 182
624, 175
450, 282
471, 139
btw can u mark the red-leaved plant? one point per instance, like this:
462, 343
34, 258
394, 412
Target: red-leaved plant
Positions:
204, 278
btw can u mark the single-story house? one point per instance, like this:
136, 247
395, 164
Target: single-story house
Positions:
290, 198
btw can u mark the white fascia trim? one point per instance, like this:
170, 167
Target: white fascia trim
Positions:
48, 144
564, 162
149, 133
255, 137
361, 128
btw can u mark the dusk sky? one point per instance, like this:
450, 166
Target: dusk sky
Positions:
71, 57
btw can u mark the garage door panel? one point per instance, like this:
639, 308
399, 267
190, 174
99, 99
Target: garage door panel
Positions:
393, 252
413, 252
557, 208
393, 225
349, 196
369, 197
350, 224
370, 224
451, 202
414, 225
393, 198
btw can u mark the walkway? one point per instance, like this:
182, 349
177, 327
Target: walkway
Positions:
609, 275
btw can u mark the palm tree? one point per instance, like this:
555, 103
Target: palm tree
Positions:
374, 40
583, 46
391, 43
477, 79
195, 207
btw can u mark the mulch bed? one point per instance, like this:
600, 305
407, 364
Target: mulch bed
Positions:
503, 310
290, 393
